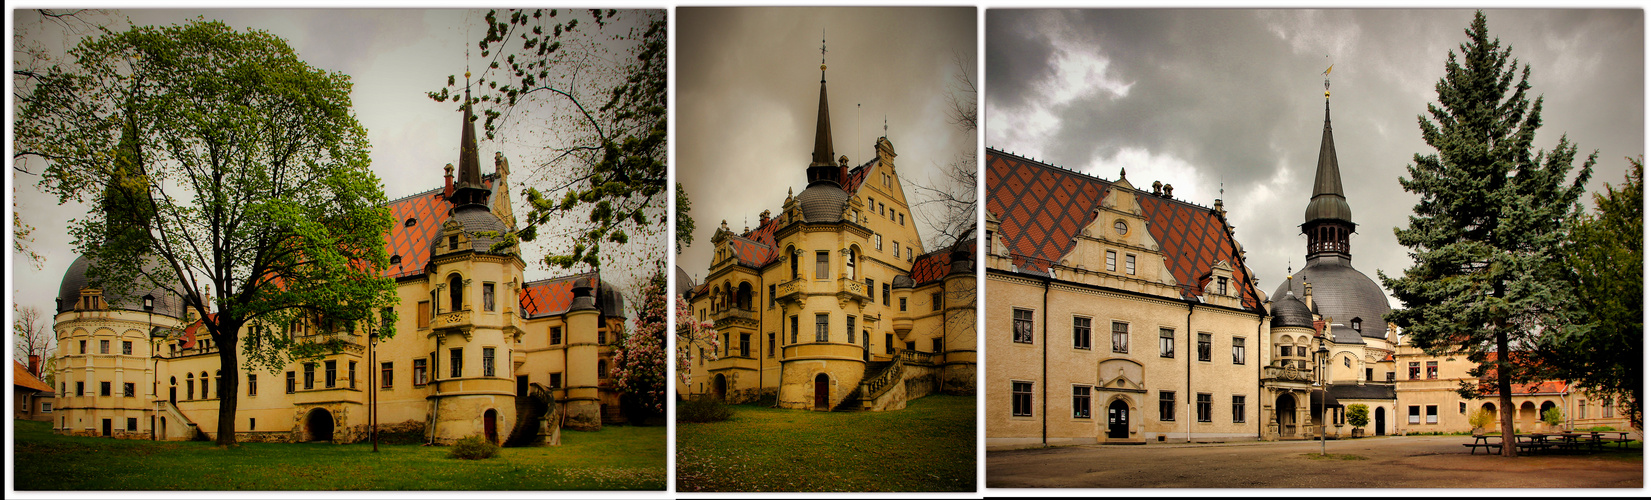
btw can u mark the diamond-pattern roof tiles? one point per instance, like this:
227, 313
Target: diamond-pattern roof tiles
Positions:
427, 211
549, 296
1042, 207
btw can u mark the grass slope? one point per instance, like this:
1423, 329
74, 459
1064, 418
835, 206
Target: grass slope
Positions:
617, 458
928, 446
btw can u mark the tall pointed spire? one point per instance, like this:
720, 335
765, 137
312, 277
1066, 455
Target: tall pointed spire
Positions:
822, 167
469, 189
1329, 219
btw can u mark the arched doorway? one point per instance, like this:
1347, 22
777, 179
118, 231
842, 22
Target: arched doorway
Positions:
1527, 416
1381, 421
822, 392
1117, 420
719, 388
1543, 411
1284, 410
318, 425
490, 425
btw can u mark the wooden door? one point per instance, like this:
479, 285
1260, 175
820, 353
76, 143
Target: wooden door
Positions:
1117, 420
822, 392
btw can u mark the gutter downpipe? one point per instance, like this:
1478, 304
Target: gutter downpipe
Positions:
1190, 354
1260, 398
1045, 376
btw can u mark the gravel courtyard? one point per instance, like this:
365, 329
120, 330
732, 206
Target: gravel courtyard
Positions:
1387, 462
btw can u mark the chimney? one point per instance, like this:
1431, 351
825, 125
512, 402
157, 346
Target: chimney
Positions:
447, 192
34, 364
1307, 289
763, 221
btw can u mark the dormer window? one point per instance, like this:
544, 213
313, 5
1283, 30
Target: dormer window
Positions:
1358, 325
410, 222
453, 242
1221, 287
395, 260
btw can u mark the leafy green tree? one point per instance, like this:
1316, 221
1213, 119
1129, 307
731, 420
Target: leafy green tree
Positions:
1487, 234
606, 154
1602, 350
1358, 415
226, 171
684, 222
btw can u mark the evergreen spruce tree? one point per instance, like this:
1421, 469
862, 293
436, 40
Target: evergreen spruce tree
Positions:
1487, 233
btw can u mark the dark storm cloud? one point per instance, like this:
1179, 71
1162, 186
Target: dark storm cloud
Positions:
1236, 97
748, 87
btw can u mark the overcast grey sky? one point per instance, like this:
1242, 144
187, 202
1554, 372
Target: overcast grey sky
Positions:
1202, 98
393, 56
748, 91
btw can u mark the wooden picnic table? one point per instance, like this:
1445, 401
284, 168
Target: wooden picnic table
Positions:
1479, 441
1532, 442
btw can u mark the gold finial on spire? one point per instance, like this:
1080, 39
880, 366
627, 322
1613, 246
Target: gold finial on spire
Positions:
1327, 77
822, 54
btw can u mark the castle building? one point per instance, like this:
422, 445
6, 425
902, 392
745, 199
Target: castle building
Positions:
833, 303
478, 351
1115, 315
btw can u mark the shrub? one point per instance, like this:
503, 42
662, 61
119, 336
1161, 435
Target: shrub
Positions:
702, 410
1553, 416
1481, 418
473, 448
1358, 415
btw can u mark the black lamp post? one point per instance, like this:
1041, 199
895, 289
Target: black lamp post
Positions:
149, 309
1324, 385
372, 384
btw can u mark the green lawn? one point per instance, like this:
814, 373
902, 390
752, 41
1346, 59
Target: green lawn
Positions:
928, 446
617, 458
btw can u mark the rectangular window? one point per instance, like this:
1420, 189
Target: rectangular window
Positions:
1166, 342
902, 304
1370, 373
487, 296
1582, 409
888, 343
1284, 351
879, 239
1120, 337
1080, 402
1432, 414
885, 294
103, 347
1021, 394
1238, 350
1238, 409
421, 371
908, 252
309, 376
1111, 261
1080, 333
252, 424
1461, 407
934, 301
387, 375
128, 389
352, 374
126, 347
132, 424
850, 329
601, 336
252, 384
937, 345
83, 347
1415, 370
1206, 407
1023, 326
487, 361
793, 329
424, 314
292, 382
1433, 369
822, 260
1204, 347
332, 373
1166, 406
1129, 263
745, 345
80, 388
1221, 286
822, 325
455, 358
771, 299
770, 346
1610, 409
896, 249
45, 407
555, 335
1415, 415
555, 380
1301, 351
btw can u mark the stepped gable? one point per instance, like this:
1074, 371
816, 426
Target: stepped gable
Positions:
428, 211
1041, 208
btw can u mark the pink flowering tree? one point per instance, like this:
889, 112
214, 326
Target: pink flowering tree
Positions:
694, 338
638, 366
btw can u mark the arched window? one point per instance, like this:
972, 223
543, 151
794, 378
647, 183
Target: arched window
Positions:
743, 298
455, 291
853, 255
791, 253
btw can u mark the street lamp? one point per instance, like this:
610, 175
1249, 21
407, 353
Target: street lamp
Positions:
1324, 385
372, 382
149, 309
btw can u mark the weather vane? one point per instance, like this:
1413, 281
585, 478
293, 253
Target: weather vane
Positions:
1327, 76
822, 54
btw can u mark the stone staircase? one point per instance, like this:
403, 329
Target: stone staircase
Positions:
171, 411
880, 377
530, 417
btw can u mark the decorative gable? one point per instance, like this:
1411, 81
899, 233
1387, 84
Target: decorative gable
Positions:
1122, 375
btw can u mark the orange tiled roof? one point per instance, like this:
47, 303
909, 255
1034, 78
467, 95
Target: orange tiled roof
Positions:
934, 265
428, 210
549, 296
1042, 207
20, 377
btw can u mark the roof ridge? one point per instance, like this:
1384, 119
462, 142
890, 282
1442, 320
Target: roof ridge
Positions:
558, 278
1081, 173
